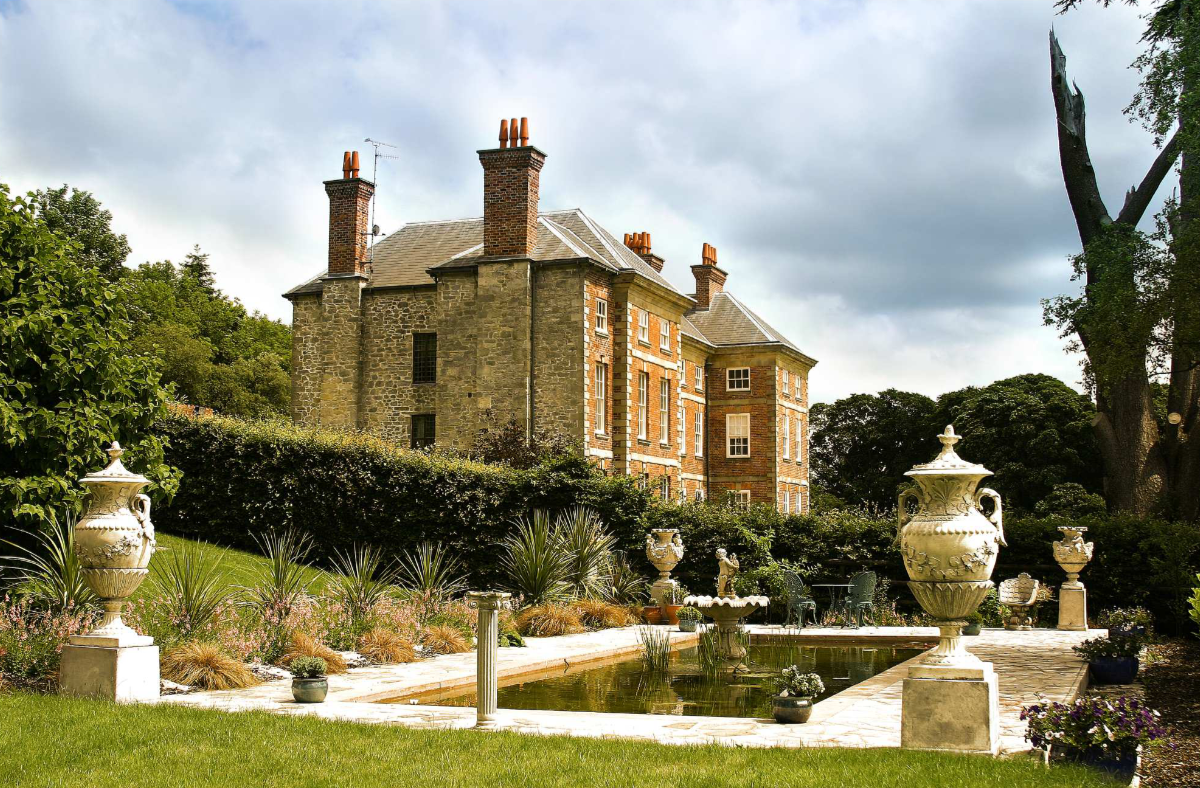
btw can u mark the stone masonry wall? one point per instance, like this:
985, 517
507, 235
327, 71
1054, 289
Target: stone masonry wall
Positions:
340, 351
458, 406
389, 398
598, 349
306, 359
558, 352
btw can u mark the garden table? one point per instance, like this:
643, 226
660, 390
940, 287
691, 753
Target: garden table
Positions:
835, 591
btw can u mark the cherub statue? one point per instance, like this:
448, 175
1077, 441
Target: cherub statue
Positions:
729, 569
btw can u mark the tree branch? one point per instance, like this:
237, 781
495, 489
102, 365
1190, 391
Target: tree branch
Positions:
1078, 174
1137, 200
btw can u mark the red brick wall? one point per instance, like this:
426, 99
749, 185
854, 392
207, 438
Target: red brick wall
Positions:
662, 457
691, 462
349, 217
755, 473
510, 200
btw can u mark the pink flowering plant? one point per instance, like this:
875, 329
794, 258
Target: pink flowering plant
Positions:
1093, 729
32, 638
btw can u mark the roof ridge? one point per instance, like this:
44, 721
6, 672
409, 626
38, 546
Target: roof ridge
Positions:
755, 319
561, 235
598, 232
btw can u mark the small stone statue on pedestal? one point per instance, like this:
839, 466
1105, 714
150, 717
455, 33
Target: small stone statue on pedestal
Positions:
1072, 554
729, 568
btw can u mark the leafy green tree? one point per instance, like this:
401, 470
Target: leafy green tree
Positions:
860, 446
68, 383
79, 217
1137, 317
209, 347
1032, 431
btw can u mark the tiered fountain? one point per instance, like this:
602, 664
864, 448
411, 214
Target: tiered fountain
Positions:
727, 609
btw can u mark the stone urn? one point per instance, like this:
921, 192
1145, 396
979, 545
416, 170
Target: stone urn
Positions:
949, 545
113, 542
1072, 553
664, 549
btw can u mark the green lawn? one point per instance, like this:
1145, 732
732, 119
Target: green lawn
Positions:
52, 741
239, 567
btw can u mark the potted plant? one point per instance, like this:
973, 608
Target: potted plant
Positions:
309, 684
689, 619
1111, 660
1099, 732
974, 623
652, 614
796, 689
673, 603
1128, 622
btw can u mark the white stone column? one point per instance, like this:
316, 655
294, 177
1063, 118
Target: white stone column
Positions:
486, 654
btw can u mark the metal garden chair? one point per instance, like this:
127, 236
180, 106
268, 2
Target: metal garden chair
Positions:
799, 599
860, 597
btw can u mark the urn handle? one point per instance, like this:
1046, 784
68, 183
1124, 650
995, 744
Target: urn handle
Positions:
997, 516
903, 518
141, 510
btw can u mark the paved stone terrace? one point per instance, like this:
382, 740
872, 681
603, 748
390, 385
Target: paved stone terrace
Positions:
1028, 664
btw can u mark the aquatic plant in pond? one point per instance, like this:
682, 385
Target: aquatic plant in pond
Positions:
656, 648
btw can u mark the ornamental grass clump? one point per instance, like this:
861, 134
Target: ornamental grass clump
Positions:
549, 620
1093, 729
303, 645
444, 639
796, 683
387, 647
598, 614
204, 664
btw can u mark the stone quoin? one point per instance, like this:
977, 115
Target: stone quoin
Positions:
547, 318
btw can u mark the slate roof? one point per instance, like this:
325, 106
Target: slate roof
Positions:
729, 322
405, 257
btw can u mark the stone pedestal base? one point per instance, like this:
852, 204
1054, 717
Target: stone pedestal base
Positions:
662, 590
1072, 608
121, 673
951, 708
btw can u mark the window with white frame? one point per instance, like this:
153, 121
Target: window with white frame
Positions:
737, 435
699, 495
740, 498
787, 501
737, 379
787, 436
643, 404
664, 334
601, 316
664, 487
787, 383
699, 430
644, 326
664, 407
799, 440
699, 376
601, 398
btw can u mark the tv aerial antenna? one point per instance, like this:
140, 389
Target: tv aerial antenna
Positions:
376, 144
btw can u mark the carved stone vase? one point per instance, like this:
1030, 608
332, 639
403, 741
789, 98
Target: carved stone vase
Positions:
114, 541
949, 545
664, 549
1072, 554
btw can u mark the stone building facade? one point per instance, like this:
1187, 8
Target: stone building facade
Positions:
546, 318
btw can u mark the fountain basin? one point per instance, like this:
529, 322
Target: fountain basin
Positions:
726, 612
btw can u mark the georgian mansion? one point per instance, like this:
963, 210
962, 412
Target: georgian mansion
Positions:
545, 317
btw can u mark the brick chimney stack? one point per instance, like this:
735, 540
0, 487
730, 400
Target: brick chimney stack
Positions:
510, 192
349, 219
710, 280
640, 244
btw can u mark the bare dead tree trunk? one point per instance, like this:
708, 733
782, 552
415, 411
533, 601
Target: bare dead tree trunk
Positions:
1135, 460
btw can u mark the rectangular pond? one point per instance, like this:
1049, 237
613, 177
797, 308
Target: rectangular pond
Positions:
625, 686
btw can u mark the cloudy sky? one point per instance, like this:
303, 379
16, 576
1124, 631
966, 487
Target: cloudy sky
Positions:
881, 178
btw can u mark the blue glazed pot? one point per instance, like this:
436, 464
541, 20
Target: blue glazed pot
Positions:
791, 711
1114, 670
688, 624
1122, 768
973, 628
310, 690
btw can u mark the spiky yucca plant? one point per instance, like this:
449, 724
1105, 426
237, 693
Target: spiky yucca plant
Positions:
588, 547
385, 646
49, 573
361, 581
189, 583
432, 573
281, 585
534, 561
203, 664
303, 645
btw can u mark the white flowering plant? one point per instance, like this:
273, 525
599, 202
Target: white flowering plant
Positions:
1093, 728
795, 683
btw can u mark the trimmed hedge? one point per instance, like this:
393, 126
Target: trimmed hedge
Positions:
241, 478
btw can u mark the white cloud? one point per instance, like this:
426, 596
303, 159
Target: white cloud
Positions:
881, 178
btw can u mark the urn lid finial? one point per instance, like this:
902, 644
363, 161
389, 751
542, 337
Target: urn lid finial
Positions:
948, 461
115, 471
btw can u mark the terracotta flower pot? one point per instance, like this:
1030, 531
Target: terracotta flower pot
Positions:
652, 614
672, 613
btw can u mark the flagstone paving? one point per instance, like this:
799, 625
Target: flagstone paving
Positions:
1029, 665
